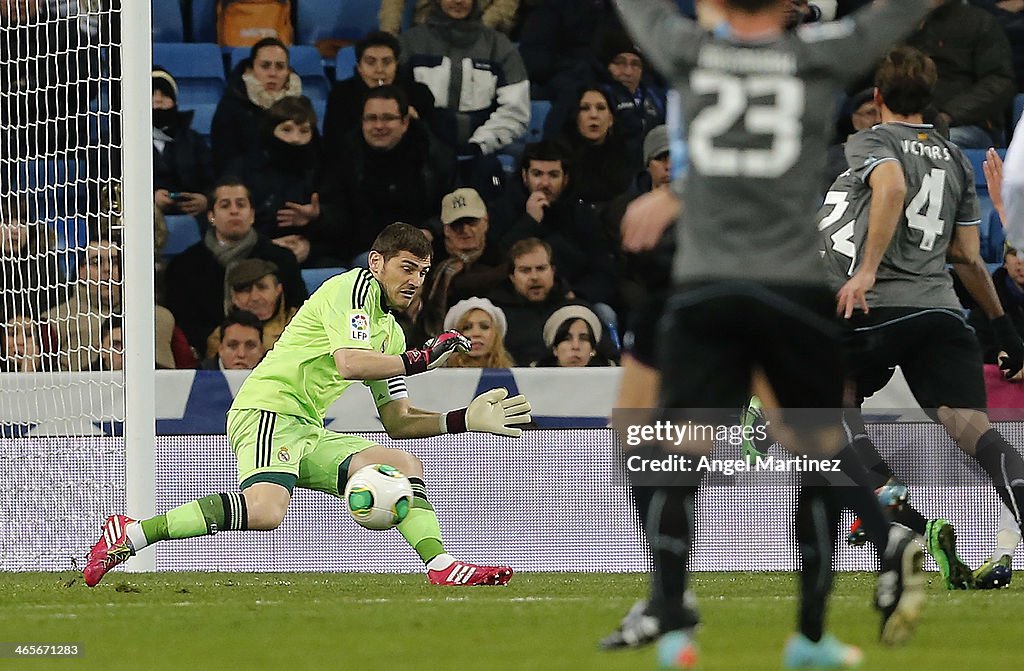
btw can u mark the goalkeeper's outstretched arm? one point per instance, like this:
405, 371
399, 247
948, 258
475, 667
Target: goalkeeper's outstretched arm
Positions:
490, 412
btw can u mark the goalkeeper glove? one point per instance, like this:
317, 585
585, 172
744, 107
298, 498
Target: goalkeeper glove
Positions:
1011, 356
435, 352
490, 412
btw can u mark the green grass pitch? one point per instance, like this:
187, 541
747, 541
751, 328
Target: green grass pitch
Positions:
541, 621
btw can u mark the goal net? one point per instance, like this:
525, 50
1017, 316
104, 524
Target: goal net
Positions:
62, 386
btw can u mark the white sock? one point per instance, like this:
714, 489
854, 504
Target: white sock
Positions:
1008, 536
136, 536
440, 562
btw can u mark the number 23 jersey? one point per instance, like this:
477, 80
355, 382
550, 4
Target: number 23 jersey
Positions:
940, 196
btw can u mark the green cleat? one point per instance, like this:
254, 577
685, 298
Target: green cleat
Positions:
941, 539
994, 573
751, 418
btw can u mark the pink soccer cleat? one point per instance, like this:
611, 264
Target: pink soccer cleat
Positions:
110, 550
461, 573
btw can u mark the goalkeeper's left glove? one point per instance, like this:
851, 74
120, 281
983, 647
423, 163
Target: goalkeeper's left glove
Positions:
1011, 356
490, 412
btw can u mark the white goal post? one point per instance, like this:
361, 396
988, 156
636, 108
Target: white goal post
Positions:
137, 193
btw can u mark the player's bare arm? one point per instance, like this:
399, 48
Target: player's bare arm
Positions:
888, 191
647, 217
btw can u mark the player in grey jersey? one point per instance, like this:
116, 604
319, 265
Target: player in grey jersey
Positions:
759, 105
906, 206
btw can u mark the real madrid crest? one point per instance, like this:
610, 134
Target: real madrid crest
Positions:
282, 455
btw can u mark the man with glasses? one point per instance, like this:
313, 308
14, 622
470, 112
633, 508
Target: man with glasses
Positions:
392, 170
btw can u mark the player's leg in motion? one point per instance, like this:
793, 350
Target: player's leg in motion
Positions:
817, 518
975, 435
997, 571
261, 506
804, 339
420, 528
939, 534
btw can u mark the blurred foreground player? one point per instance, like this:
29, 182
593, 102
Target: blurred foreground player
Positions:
905, 208
344, 333
758, 104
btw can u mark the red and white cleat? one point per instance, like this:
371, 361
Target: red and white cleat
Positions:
110, 550
461, 573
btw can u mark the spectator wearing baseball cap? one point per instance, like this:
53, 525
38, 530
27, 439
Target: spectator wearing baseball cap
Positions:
466, 262
253, 285
484, 324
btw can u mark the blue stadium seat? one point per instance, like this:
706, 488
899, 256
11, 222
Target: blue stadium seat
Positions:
994, 238
508, 164
539, 110
198, 69
336, 19
314, 277
345, 64
55, 188
72, 236
202, 120
168, 25
306, 62
182, 233
977, 157
204, 20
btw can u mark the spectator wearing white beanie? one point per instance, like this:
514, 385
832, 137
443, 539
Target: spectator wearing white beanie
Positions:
485, 325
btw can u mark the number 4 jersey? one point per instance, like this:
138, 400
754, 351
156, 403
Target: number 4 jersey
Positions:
940, 196
759, 114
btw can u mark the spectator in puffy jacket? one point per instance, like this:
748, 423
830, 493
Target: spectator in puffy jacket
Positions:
1010, 15
479, 82
497, 14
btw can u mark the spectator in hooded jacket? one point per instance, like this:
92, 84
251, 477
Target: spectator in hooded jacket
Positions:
255, 84
280, 171
182, 165
479, 82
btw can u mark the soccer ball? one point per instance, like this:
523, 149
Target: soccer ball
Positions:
378, 496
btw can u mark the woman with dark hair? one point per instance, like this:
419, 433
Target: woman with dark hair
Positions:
253, 87
280, 172
602, 165
572, 334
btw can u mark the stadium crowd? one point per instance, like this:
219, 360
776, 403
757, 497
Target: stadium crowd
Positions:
513, 134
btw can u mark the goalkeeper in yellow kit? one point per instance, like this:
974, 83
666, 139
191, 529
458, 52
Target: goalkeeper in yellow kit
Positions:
344, 333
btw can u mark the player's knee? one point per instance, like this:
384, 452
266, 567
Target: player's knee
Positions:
264, 512
266, 516
411, 464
